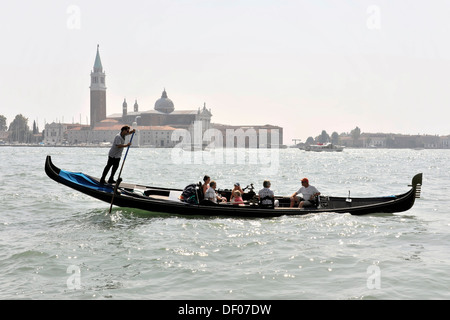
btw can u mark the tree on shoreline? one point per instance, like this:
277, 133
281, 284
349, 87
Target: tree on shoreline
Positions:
335, 138
323, 137
355, 133
3, 126
19, 130
35, 128
309, 141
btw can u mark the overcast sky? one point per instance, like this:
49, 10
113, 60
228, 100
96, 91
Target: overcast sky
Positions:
307, 66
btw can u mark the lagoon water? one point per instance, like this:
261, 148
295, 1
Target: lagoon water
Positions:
56, 243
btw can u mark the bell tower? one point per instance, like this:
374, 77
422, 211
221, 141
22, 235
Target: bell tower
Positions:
98, 91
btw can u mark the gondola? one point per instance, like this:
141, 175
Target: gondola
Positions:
165, 200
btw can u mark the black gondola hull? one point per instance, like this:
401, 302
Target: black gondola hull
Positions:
126, 197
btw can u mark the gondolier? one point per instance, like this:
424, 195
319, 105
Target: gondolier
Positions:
115, 153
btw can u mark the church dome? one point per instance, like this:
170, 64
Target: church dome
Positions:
164, 104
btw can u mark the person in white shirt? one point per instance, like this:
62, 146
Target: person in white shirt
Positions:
115, 153
265, 195
308, 192
211, 194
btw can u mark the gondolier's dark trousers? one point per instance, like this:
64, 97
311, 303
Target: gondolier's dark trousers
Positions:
112, 162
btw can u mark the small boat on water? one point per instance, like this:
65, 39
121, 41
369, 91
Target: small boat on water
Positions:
165, 200
327, 147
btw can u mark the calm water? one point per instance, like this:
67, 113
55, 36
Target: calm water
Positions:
56, 243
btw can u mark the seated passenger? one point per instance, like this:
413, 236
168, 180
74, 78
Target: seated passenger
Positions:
308, 192
237, 187
205, 185
265, 195
236, 198
211, 194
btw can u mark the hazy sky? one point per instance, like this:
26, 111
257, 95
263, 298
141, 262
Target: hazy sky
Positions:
307, 66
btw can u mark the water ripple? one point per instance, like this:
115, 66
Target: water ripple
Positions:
47, 231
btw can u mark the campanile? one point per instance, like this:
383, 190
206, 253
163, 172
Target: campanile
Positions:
98, 91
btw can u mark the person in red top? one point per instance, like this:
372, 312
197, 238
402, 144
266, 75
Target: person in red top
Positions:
236, 198
237, 187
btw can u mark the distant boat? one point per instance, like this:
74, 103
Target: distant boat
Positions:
327, 147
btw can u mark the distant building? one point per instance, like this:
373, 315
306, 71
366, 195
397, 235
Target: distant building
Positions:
152, 136
377, 140
98, 91
154, 126
445, 142
58, 133
163, 114
390, 140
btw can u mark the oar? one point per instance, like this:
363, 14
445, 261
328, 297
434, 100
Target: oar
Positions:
120, 172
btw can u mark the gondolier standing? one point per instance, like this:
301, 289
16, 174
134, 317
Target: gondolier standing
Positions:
115, 153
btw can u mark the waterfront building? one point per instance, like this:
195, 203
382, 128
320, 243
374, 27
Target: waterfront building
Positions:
151, 124
154, 126
445, 142
56, 133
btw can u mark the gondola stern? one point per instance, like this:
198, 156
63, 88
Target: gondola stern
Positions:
417, 184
